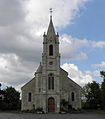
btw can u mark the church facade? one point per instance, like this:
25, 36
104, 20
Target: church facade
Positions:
51, 84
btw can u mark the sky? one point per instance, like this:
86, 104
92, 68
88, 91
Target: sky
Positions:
80, 24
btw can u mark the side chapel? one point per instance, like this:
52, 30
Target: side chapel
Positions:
51, 83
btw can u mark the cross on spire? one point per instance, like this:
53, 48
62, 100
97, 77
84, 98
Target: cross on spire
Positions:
51, 13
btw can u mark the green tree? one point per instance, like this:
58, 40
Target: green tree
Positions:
1, 97
0, 86
102, 73
11, 99
92, 95
64, 105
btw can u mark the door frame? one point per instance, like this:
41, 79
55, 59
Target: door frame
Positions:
51, 104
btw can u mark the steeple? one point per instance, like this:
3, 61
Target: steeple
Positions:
51, 30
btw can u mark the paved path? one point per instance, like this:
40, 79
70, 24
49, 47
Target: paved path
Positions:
51, 116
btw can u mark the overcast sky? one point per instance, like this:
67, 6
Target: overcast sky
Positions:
81, 26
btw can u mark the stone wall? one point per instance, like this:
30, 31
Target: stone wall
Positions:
26, 89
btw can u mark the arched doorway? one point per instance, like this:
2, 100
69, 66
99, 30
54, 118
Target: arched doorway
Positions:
51, 104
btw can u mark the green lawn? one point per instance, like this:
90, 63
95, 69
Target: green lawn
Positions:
96, 111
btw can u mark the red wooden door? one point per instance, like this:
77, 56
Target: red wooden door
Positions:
51, 105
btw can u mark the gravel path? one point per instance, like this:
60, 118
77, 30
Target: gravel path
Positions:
51, 116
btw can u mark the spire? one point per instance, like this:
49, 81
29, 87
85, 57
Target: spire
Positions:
51, 30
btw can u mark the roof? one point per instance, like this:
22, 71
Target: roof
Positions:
51, 30
70, 78
39, 70
74, 82
27, 83
63, 70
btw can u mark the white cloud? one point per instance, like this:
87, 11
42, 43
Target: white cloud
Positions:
69, 45
101, 65
14, 71
95, 73
80, 56
77, 75
64, 11
100, 44
22, 23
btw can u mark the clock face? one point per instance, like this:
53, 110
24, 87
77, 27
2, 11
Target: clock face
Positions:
50, 39
50, 63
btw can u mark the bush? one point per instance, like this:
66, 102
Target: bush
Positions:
39, 110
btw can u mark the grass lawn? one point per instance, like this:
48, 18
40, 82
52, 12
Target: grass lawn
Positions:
96, 111
10, 111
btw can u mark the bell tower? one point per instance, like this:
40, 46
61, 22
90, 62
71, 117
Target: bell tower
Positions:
50, 59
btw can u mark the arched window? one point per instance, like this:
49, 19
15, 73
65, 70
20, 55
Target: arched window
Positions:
50, 50
29, 97
51, 81
72, 96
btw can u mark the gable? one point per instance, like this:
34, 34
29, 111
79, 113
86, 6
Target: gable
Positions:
30, 84
74, 83
66, 80
63, 72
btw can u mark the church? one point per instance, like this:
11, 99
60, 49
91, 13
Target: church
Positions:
51, 84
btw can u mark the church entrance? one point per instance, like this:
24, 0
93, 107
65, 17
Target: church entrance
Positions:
51, 104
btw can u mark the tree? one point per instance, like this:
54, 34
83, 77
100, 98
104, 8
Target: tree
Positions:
102, 73
92, 94
1, 97
11, 99
64, 105
0, 86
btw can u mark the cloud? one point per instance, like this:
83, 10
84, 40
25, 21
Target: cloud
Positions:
13, 70
80, 56
100, 44
69, 9
11, 12
101, 65
94, 73
22, 23
71, 47
77, 75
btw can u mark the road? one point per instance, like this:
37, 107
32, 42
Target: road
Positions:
51, 116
